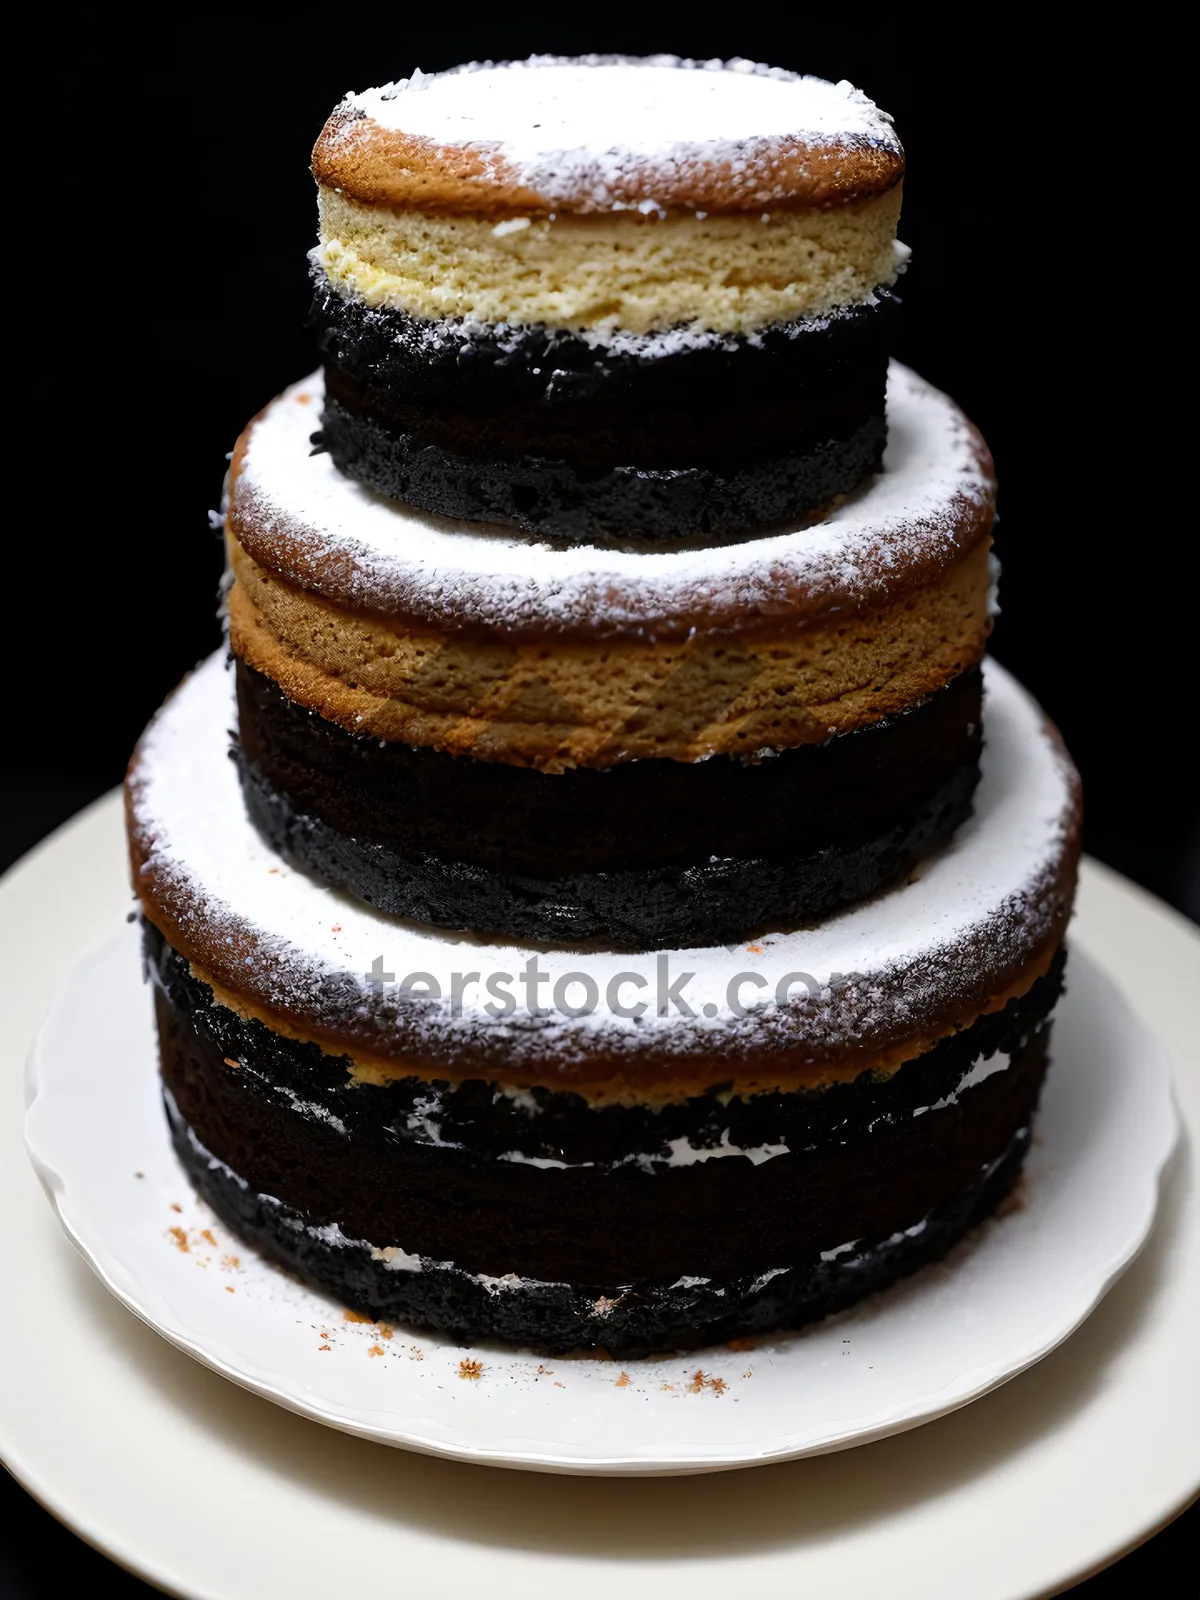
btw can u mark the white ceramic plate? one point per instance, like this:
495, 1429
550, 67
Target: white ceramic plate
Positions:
1016, 1289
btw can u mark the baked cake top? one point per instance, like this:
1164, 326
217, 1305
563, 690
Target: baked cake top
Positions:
294, 513
608, 134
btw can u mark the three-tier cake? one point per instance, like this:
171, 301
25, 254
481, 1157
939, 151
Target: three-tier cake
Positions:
634, 909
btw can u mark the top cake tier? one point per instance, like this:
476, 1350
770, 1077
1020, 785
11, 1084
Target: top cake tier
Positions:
620, 301
605, 134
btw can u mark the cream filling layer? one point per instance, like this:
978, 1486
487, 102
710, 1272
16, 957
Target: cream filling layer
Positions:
395, 1259
681, 1152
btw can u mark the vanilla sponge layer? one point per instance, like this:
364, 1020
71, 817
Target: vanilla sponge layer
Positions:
635, 273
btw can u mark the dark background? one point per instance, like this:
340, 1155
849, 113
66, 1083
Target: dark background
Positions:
163, 210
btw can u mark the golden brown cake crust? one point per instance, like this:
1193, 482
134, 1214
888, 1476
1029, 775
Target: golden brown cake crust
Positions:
608, 134
386, 167
579, 702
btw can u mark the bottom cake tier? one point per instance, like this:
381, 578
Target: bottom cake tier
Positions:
780, 1129
600, 1238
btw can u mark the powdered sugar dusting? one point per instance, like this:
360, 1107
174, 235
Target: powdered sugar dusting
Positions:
992, 896
298, 514
603, 125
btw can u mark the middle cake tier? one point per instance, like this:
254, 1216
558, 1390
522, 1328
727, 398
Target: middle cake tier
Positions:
646, 749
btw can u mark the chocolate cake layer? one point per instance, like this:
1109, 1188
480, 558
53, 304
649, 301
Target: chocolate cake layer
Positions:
653, 852
642, 442
622, 507
655, 404
552, 1318
605, 1225
687, 390
639, 814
